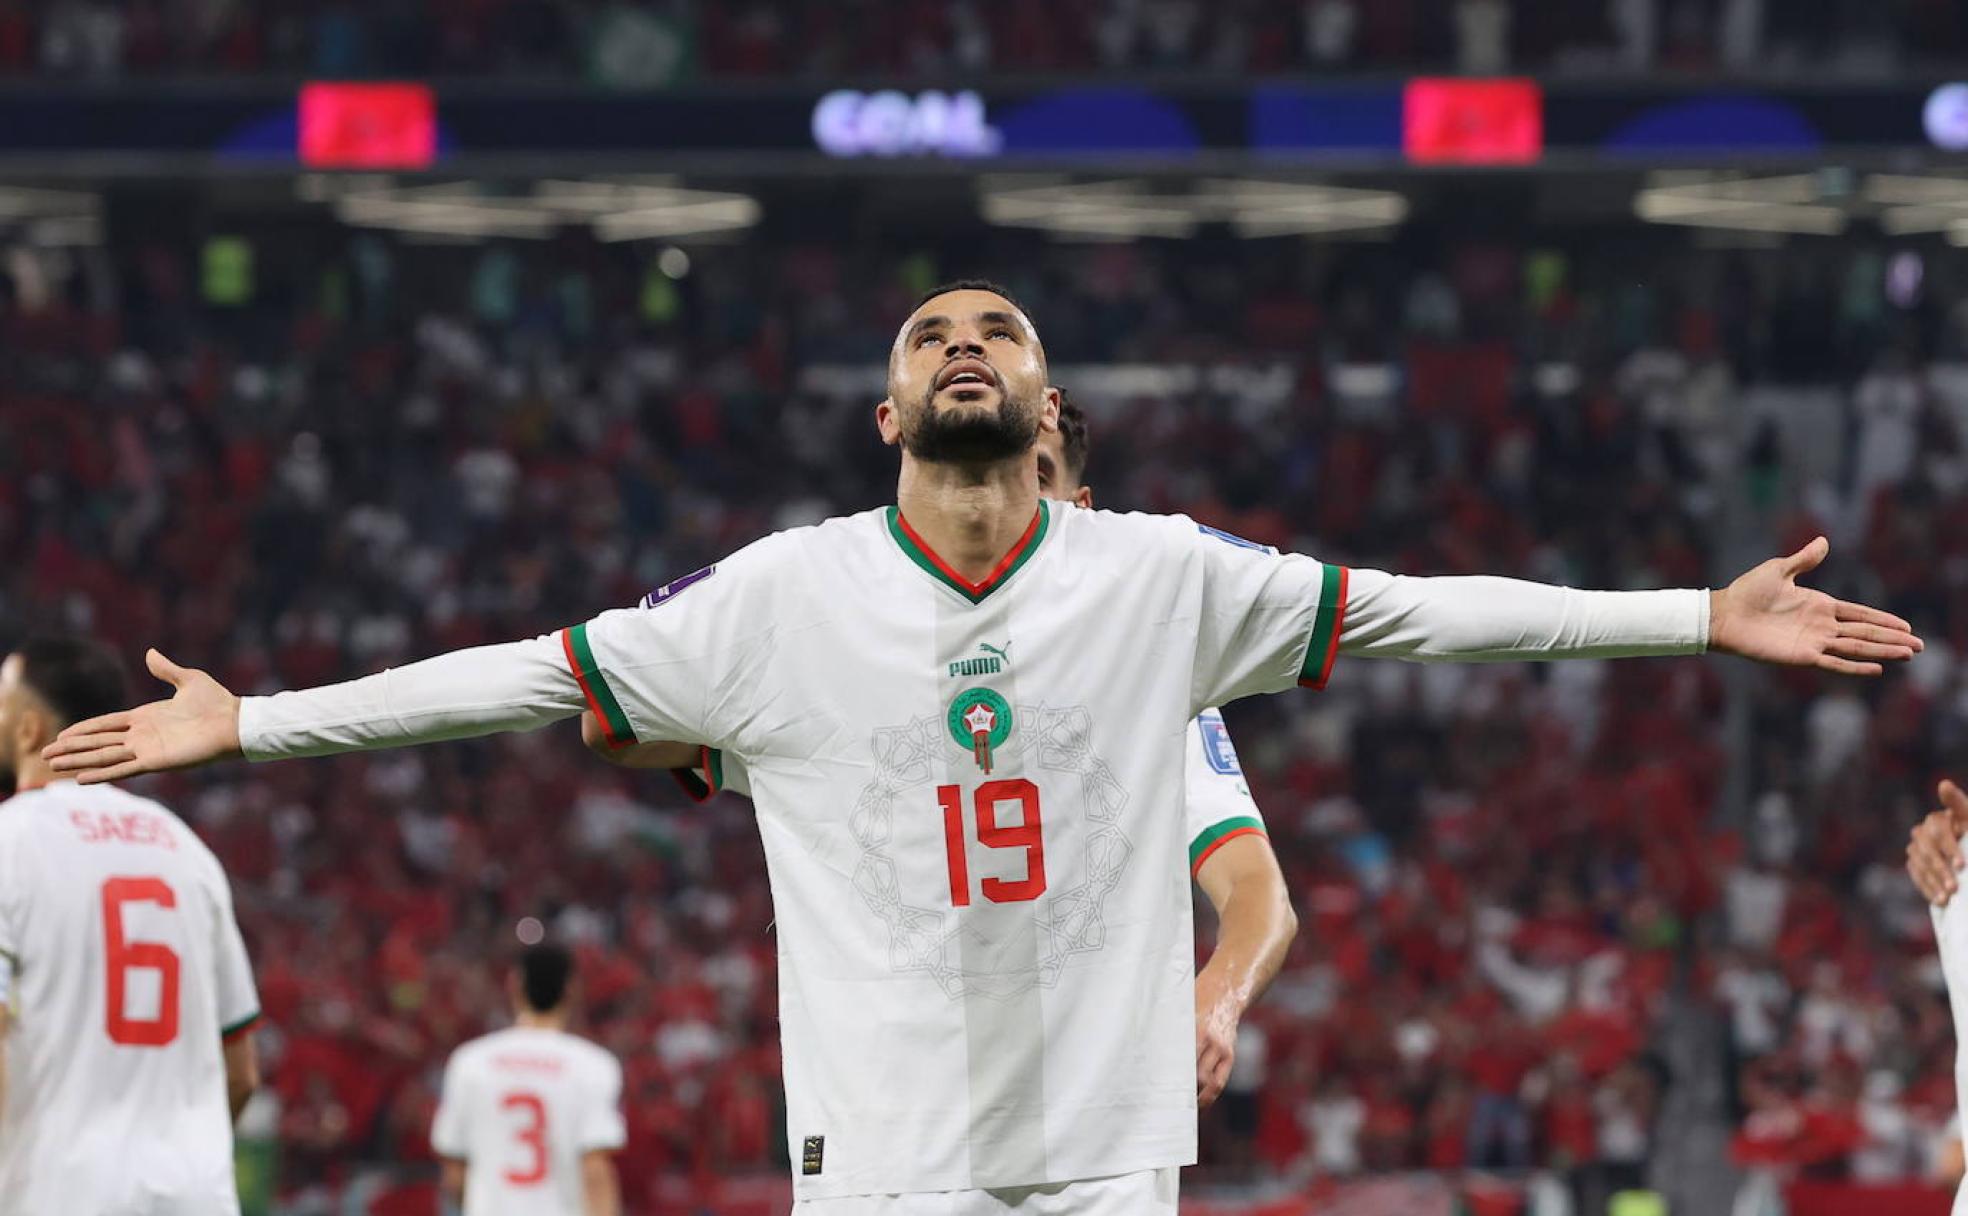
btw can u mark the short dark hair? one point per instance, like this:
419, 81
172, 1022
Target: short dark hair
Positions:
996, 289
1073, 435
79, 678
544, 972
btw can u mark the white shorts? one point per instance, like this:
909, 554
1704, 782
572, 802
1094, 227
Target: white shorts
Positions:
1146, 1193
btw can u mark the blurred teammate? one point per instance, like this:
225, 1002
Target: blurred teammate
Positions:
1230, 856
986, 956
125, 994
530, 1117
1934, 862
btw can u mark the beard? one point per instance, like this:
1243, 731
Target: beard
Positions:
970, 435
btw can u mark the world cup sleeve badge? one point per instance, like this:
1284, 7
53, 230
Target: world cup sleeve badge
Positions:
980, 721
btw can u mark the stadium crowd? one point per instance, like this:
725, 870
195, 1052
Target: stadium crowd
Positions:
653, 43
368, 452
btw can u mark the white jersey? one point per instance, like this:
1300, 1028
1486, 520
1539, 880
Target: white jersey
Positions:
972, 803
1951, 935
1217, 804
123, 969
521, 1107
970, 797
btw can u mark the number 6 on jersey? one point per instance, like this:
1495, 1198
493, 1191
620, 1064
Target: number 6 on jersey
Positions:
1026, 834
125, 956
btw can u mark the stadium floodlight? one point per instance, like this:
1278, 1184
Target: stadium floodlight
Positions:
1798, 203
1256, 208
1912, 203
51, 218
1126, 209
1108, 210
614, 209
56, 231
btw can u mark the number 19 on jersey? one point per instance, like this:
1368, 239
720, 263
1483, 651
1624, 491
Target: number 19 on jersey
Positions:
1025, 834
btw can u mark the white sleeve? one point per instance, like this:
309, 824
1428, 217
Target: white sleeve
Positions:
1265, 620
1475, 619
689, 664
1218, 803
12, 910
1951, 938
602, 1127
450, 1131
239, 1001
512, 686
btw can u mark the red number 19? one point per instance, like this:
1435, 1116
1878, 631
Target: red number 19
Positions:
1025, 834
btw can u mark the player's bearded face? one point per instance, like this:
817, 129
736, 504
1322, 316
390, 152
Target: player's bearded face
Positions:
970, 432
968, 381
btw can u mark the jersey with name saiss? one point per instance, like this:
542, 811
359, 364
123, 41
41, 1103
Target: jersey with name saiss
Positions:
126, 973
971, 800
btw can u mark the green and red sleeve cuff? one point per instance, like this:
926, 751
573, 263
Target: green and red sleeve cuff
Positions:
1221, 834
601, 698
1327, 625
705, 779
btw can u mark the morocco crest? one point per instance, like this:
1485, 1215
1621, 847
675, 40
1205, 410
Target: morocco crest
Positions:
980, 720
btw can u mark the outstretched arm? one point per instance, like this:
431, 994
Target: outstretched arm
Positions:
1762, 615
514, 686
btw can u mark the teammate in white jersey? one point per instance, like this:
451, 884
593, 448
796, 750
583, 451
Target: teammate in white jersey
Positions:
1934, 862
530, 1117
1230, 855
985, 948
125, 994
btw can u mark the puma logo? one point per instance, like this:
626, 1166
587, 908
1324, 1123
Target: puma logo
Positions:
995, 660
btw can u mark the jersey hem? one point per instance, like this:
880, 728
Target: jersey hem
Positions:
1323, 646
1171, 1157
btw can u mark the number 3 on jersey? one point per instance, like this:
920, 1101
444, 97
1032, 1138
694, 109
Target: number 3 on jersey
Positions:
532, 1136
124, 956
1025, 834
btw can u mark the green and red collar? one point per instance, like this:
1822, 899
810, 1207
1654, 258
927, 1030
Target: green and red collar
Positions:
918, 551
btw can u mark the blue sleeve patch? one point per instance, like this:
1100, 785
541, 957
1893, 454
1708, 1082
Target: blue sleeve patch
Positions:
1230, 538
1217, 748
670, 590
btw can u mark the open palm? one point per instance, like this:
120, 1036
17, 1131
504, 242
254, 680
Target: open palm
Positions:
1765, 615
199, 723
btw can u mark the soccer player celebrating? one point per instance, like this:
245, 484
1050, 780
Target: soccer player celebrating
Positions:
125, 994
986, 976
1229, 854
530, 1116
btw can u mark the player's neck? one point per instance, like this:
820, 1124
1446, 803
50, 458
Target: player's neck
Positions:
32, 774
527, 1019
970, 516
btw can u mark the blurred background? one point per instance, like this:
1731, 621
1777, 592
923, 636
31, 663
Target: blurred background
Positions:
336, 334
